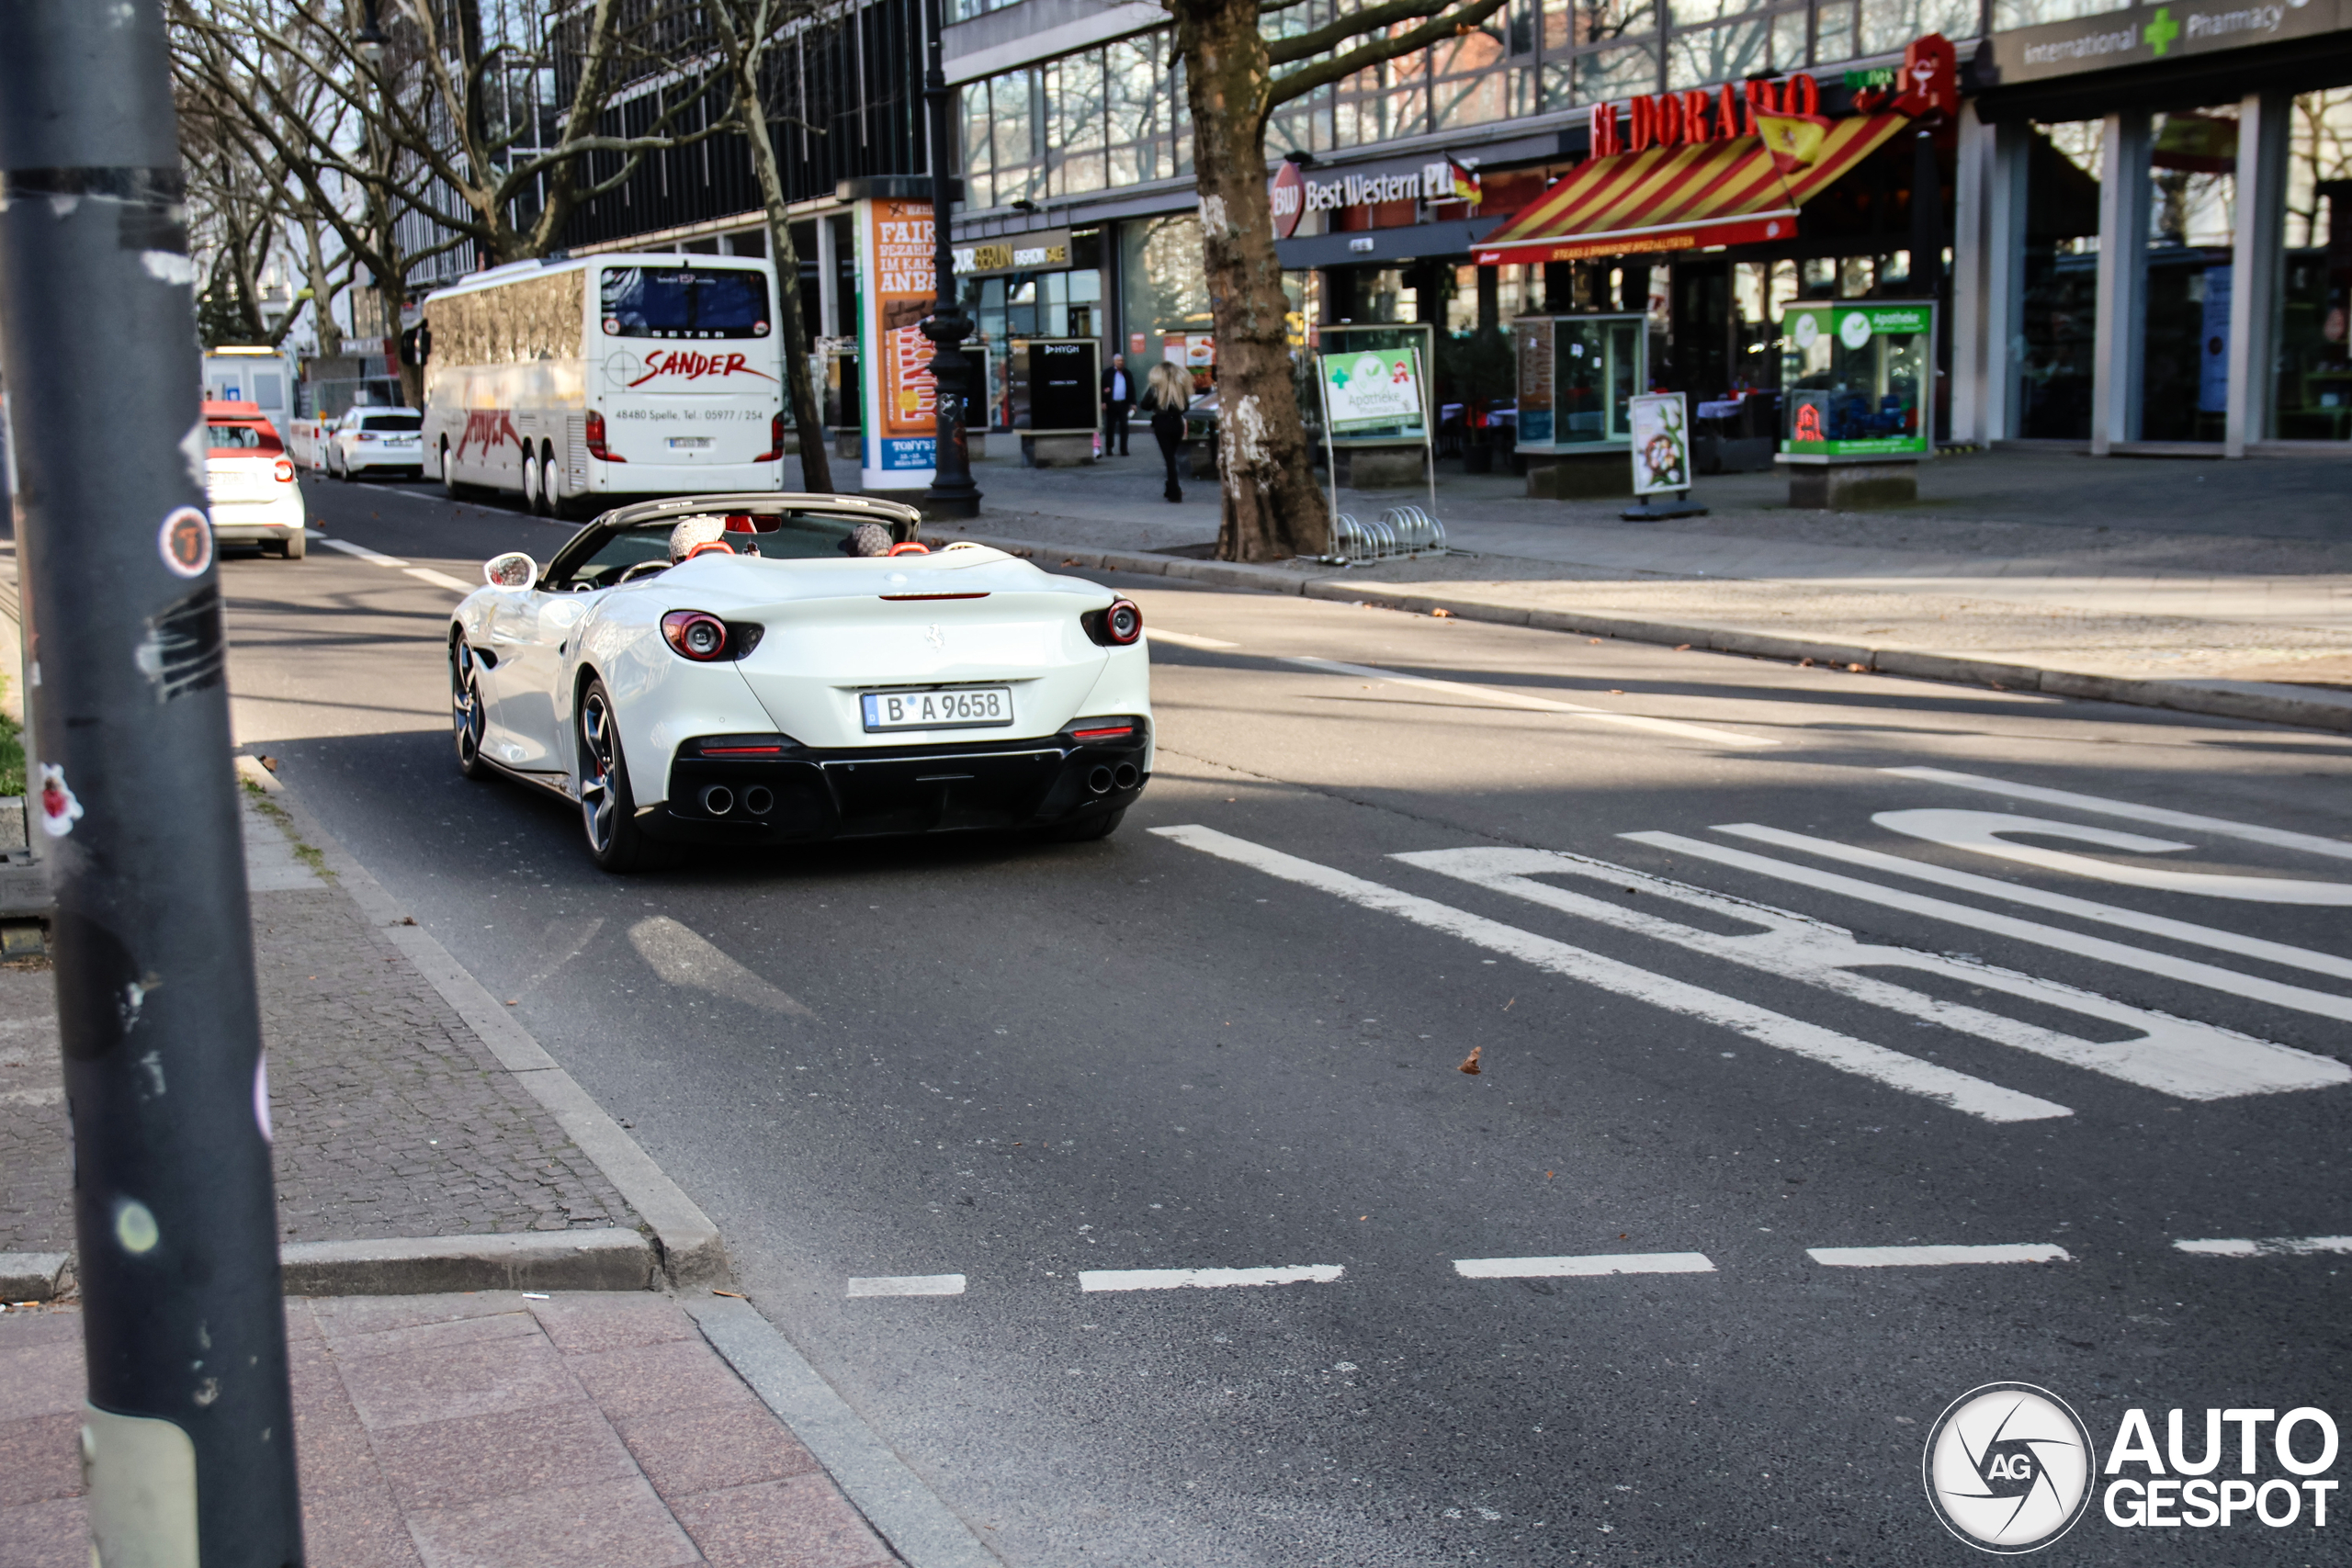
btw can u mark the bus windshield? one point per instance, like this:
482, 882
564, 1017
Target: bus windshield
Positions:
684, 302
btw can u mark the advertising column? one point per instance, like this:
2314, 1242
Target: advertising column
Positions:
895, 296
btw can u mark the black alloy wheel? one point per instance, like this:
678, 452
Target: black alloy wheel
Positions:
607, 807
466, 716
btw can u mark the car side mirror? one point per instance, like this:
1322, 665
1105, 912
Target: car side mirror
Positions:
513, 569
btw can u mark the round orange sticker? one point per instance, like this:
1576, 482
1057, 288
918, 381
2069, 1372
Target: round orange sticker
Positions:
186, 542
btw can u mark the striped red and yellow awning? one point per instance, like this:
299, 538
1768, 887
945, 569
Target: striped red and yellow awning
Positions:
1679, 199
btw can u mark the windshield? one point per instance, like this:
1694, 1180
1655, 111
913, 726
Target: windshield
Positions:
242, 438
684, 302
392, 422
794, 536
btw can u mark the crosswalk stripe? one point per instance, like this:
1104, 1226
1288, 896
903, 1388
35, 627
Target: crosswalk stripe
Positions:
2059, 903
2295, 1069
1973, 1096
1933, 1257
1590, 1265
908, 1285
1206, 1278
2310, 843
2269, 1246
1533, 704
2173, 1055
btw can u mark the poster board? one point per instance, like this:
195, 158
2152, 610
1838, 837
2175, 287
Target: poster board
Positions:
1858, 379
1660, 426
1375, 397
896, 282
1420, 337
1056, 386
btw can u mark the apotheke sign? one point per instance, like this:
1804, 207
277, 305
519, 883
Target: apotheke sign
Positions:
2146, 34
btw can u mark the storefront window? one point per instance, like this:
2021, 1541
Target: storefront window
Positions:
1017, 174
2192, 210
1760, 291
2057, 330
2010, 15
1698, 56
1889, 25
1833, 31
1165, 290
2313, 397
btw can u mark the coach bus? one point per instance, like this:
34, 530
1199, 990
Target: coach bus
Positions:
564, 381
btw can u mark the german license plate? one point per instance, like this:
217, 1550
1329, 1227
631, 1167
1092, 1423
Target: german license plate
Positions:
689, 443
952, 707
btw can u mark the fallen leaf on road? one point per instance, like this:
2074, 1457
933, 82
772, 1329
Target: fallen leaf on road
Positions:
1507, 1006
1594, 640
1072, 561
737, 1294
1616, 691
1859, 668
1805, 663
1681, 647
1470, 1063
1442, 613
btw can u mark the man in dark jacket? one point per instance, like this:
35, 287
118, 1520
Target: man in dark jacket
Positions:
1118, 400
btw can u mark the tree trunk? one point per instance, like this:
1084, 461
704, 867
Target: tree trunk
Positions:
1272, 507
807, 418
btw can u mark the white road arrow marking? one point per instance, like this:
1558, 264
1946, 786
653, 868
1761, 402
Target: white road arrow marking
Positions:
2310, 843
1893, 1069
1981, 831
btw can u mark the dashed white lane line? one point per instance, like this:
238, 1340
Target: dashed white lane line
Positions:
1531, 704
373, 557
908, 1285
439, 579
2252, 832
1935, 1257
1893, 1069
2269, 1246
2290, 1068
1185, 639
1204, 1279
1590, 1266
2061, 903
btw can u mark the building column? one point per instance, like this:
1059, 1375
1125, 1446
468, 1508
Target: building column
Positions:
1976, 334
2257, 255
2120, 331
829, 275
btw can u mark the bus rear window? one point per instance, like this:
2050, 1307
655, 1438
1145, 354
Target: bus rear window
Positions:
684, 302
242, 438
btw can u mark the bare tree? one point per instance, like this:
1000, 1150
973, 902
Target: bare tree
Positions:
1236, 77
745, 32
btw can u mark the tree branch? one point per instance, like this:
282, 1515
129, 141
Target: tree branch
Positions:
1338, 67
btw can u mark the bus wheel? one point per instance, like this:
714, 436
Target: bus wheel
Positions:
530, 483
450, 485
550, 484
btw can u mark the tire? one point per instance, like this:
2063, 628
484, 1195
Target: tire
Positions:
467, 719
334, 470
449, 486
550, 484
1086, 829
530, 484
608, 805
297, 545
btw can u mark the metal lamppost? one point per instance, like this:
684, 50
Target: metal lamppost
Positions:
952, 493
187, 1431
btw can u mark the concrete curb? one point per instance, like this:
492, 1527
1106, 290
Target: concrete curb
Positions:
905, 1512
611, 1260
2260, 702
34, 1275
690, 1251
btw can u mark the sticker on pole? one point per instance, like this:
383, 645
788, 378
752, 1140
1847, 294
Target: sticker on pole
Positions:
59, 809
1661, 434
186, 541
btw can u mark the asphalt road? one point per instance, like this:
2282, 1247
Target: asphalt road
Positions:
1231, 1038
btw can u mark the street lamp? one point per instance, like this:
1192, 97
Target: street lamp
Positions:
370, 40
952, 493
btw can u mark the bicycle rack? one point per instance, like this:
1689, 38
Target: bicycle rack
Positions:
1399, 533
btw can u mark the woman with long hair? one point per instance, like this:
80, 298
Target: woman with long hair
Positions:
1166, 393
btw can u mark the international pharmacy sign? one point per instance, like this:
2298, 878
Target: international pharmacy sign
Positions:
2146, 34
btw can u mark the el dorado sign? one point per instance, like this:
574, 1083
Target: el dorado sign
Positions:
1927, 82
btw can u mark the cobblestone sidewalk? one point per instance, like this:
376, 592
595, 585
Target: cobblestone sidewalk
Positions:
490, 1430
391, 1118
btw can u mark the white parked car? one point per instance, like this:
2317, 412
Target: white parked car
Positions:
249, 481
370, 440
773, 686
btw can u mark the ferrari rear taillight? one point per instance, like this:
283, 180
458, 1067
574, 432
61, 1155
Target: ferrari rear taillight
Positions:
775, 442
598, 444
285, 471
1117, 627
696, 635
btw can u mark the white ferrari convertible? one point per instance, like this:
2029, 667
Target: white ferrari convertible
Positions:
770, 669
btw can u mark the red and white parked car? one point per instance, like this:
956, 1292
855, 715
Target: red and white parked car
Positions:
249, 479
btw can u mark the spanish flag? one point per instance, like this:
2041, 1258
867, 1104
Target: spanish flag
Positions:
1794, 140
